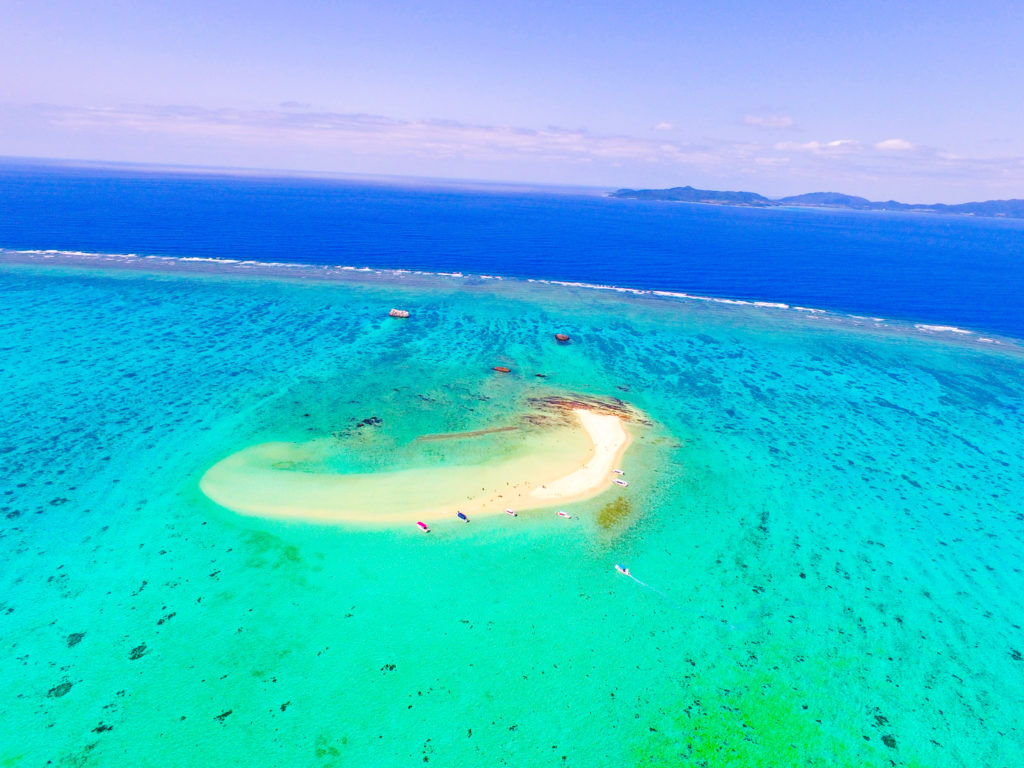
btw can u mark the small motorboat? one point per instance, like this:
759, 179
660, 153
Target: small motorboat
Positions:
462, 517
502, 369
620, 481
618, 472
511, 512
563, 513
423, 527
623, 570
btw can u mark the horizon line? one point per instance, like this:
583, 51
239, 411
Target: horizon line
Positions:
394, 179
294, 173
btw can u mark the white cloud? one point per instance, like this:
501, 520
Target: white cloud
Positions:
837, 147
379, 135
895, 145
292, 137
768, 121
664, 127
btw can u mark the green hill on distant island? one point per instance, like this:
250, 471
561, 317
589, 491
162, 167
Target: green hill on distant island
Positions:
691, 195
1002, 208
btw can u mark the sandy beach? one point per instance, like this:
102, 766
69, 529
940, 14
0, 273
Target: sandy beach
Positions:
610, 441
569, 467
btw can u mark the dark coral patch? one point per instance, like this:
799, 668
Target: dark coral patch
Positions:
614, 512
59, 690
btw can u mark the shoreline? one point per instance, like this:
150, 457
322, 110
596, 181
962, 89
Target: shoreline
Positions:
356, 499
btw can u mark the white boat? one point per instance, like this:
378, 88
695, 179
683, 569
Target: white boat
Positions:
423, 527
511, 512
623, 570
618, 472
620, 481
563, 513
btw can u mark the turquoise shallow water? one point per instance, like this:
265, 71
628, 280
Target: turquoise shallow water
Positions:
827, 513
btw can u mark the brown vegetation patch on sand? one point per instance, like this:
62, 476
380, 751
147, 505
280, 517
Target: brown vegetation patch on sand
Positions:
558, 409
460, 435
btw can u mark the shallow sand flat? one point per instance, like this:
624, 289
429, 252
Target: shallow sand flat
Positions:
787, 510
556, 465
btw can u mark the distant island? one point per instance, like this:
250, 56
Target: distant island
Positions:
1013, 209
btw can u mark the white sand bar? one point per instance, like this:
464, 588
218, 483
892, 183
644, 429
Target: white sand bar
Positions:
562, 465
610, 440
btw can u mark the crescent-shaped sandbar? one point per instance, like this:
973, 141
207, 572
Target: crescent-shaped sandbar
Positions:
561, 465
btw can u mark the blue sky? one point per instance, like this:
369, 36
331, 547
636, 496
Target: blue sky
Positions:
919, 102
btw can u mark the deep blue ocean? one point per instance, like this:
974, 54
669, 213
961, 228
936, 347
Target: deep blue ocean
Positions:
946, 270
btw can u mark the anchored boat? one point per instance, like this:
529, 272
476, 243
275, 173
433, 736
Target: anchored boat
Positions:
423, 526
462, 517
